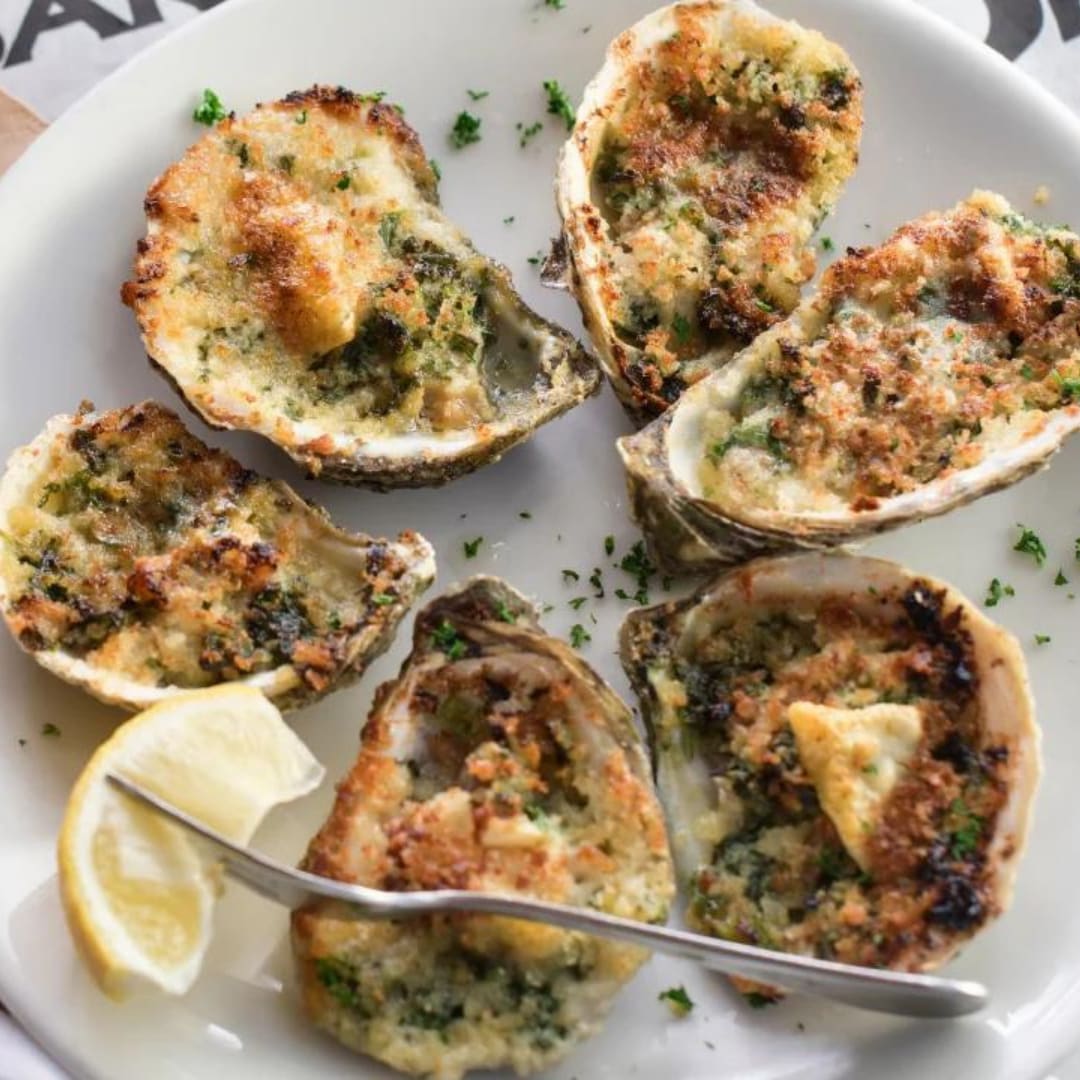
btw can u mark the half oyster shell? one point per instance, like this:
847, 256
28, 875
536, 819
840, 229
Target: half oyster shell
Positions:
709, 147
298, 279
848, 755
138, 563
923, 374
497, 760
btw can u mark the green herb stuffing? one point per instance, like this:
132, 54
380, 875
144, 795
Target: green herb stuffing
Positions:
504, 613
447, 641
965, 830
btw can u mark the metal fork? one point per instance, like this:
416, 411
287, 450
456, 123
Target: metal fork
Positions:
926, 996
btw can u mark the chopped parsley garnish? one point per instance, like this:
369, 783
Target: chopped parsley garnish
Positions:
609, 545
578, 601
301, 116
579, 635
436, 169
472, 547
529, 133
559, 103
1070, 388
750, 436
537, 259
509, 220
597, 583
759, 1001
504, 613
1077, 549
571, 575
965, 831
373, 98
678, 1000
681, 325
558, 5
1030, 544
209, 111
344, 182
1042, 639
639, 566
525, 514
50, 729
1061, 579
1027, 372
446, 640
478, 95
466, 130
764, 305
827, 243
996, 591
383, 599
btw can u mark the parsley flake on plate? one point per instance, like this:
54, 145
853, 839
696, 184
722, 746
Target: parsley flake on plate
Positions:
559, 103
466, 130
209, 111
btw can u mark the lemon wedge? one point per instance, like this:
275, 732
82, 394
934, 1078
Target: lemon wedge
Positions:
137, 891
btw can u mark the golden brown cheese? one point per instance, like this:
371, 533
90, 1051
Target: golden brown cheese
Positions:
134, 551
497, 761
298, 279
847, 752
955, 339
715, 140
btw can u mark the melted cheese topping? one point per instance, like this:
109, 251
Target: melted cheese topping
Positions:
855, 757
502, 769
300, 280
955, 339
725, 143
144, 553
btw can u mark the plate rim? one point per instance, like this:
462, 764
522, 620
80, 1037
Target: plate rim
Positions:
1042, 1056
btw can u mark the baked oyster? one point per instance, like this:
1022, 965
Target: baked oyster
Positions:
498, 760
848, 755
923, 374
708, 149
298, 279
137, 563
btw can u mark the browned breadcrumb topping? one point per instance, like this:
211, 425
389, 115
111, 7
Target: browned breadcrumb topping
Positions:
146, 552
721, 156
781, 877
955, 337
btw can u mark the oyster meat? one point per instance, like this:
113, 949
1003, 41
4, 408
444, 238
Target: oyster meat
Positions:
848, 755
497, 761
712, 143
298, 279
137, 562
923, 374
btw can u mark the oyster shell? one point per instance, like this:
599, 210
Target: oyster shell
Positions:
845, 749
137, 563
923, 374
298, 279
707, 150
497, 760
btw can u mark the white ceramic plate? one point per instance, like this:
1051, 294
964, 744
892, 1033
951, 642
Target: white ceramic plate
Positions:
943, 116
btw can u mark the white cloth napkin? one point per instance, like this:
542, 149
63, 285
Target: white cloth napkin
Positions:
52, 52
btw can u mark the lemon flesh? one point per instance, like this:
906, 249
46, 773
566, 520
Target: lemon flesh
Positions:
137, 891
